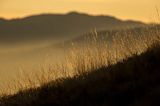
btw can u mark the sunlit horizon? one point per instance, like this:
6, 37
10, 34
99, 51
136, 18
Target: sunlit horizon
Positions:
143, 10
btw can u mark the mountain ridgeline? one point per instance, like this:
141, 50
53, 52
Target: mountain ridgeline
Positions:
57, 27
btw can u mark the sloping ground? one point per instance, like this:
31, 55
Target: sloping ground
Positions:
135, 82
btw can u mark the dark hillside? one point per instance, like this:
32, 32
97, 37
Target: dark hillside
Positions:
132, 82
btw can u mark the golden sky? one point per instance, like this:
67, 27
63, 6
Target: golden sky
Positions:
143, 10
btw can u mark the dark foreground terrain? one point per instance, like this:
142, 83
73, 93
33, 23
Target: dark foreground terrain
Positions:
132, 82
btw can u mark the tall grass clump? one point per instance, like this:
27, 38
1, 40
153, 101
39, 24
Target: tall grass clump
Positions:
99, 51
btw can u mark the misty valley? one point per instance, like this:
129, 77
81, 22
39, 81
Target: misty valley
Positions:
78, 59
32, 42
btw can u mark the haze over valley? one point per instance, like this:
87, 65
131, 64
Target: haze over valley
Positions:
26, 43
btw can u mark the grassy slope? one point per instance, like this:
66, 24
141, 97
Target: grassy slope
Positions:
135, 81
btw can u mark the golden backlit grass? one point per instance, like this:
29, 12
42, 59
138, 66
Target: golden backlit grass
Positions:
97, 52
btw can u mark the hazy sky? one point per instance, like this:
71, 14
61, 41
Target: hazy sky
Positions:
125, 9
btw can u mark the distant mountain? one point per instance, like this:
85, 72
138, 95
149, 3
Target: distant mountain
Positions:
57, 26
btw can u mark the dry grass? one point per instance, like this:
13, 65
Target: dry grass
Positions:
98, 52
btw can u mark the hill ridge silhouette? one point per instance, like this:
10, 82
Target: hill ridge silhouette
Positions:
57, 26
